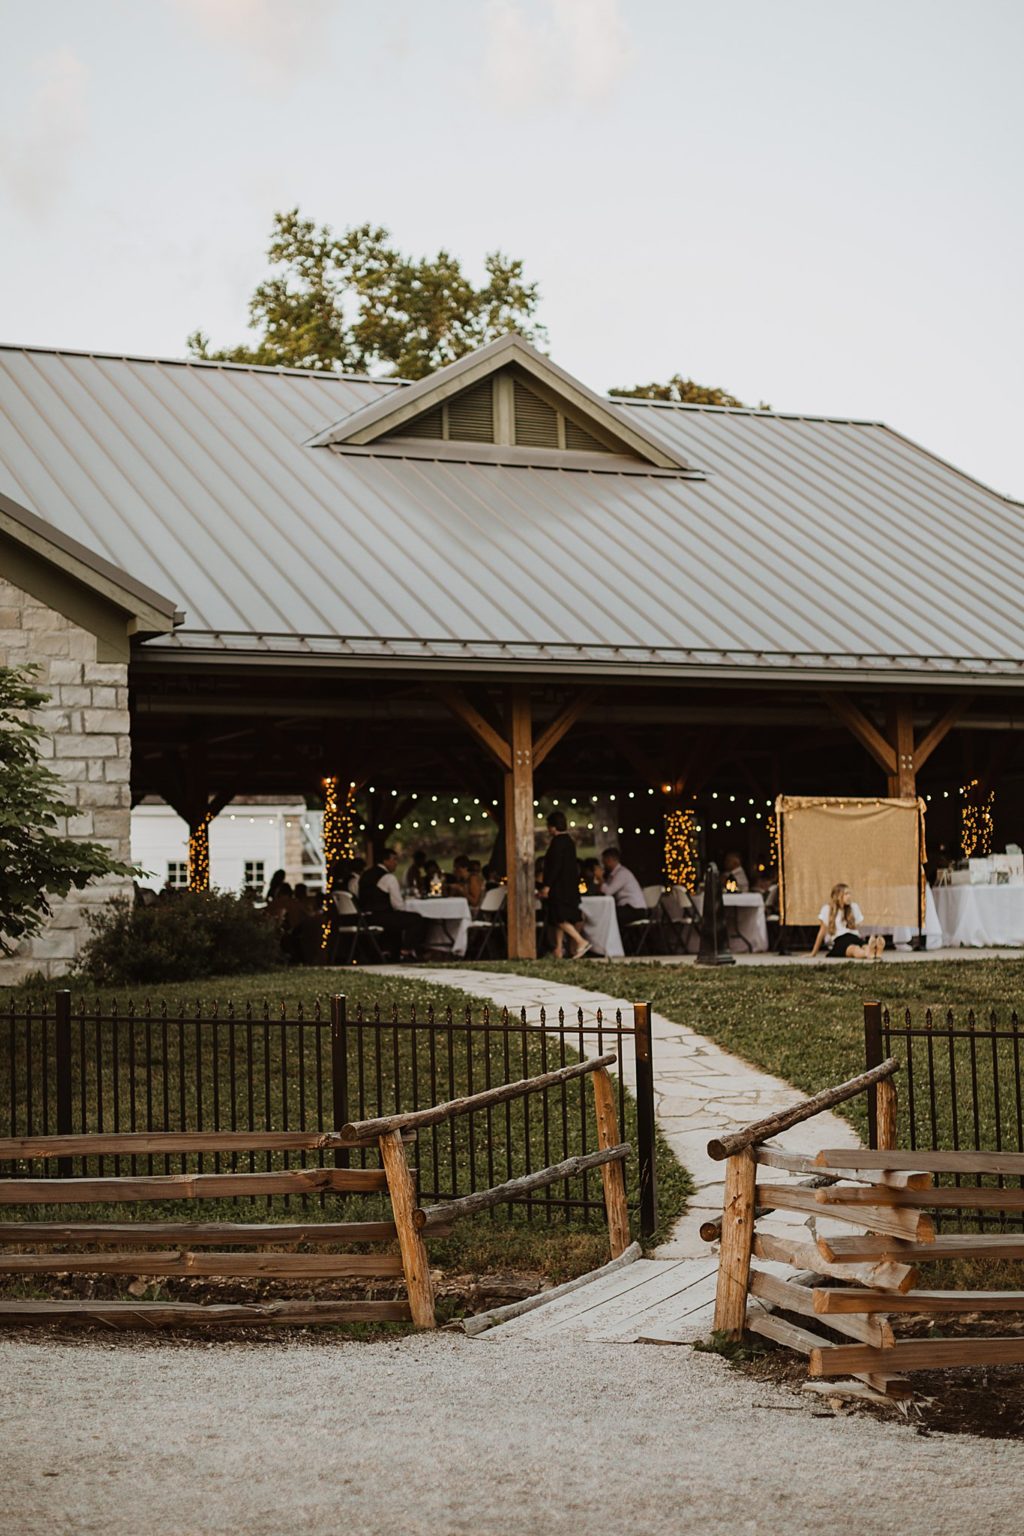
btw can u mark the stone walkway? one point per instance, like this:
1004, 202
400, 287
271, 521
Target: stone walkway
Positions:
700, 1090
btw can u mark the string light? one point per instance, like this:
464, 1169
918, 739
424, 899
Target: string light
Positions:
199, 855
681, 848
977, 823
339, 840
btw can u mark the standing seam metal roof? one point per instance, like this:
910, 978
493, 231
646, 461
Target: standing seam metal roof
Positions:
198, 480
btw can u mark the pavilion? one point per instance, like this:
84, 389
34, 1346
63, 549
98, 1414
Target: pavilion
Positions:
497, 581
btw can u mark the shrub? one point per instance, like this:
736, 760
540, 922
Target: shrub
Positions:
180, 938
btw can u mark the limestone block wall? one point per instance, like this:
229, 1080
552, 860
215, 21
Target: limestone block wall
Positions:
89, 749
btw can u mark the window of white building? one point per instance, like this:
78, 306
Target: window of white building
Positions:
254, 874
177, 874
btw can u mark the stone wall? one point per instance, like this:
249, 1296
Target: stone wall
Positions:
89, 748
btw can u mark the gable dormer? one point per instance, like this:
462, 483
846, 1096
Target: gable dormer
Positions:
506, 403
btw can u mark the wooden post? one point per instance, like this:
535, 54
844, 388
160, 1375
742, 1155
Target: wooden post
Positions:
415, 1261
886, 1104
611, 1173
737, 1244
646, 1133
520, 842
874, 1053
903, 784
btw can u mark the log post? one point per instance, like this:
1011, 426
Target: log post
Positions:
611, 1173
415, 1261
737, 1244
903, 783
520, 842
886, 1104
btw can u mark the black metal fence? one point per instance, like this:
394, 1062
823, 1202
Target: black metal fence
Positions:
959, 1088
94, 1067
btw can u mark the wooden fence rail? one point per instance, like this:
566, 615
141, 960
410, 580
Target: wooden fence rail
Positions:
889, 1195
174, 1244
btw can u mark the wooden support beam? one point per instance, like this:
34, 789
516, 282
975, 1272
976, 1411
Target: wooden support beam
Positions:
915, 1355
886, 1275
415, 1263
721, 1147
803, 1300
912, 1225
552, 734
839, 1299
611, 1173
736, 1246
938, 732
798, 1162
193, 1234
903, 782
886, 1107
173, 1314
1009, 1163
520, 835
953, 1245
432, 1219
962, 1198
473, 720
858, 724
280, 1266
188, 1186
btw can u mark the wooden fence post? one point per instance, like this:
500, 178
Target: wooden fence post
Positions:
873, 1055
737, 1244
886, 1105
645, 1119
415, 1261
611, 1173
62, 1058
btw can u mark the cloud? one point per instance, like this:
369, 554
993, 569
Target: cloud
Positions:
279, 41
556, 51
38, 150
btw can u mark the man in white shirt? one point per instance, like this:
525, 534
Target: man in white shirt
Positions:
621, 883
380, 898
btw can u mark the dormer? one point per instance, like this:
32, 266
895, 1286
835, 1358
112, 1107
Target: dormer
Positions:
505, 404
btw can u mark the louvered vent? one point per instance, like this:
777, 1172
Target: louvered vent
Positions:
428, 425
471, 415
536, 421
579, 439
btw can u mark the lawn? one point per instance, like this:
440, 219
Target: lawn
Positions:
457, 1157
805, 1024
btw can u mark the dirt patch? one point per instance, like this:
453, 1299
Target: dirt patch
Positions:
987, 1402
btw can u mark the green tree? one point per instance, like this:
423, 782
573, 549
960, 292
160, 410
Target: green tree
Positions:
353, 302
680, 390
35, 860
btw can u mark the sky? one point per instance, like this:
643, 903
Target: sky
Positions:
818, 205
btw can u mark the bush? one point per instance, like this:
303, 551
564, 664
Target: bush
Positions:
180, 938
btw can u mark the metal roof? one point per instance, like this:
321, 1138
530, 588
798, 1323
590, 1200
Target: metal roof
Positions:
813, 546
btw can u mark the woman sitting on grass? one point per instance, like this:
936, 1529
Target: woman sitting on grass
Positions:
839, 919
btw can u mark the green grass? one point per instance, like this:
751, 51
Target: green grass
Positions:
806, 1024
518, 1239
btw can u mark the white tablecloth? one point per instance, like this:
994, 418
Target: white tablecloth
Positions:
748, 927
981, 915
447, 921
932, 925
602, 925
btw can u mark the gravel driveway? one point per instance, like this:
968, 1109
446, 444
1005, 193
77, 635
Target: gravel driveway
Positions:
445, 1435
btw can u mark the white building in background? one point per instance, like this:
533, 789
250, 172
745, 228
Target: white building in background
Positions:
248, 841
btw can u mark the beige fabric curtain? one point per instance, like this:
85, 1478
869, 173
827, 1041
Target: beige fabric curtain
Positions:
876, 847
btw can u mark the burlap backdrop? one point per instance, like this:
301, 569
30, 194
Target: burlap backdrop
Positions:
876, 847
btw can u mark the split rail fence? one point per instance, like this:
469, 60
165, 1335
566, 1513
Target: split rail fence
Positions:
230, 1249
852, 1285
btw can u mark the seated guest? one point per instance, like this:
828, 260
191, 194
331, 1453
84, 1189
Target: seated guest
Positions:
622, 884
839, 920
492, 877
458, 880
380, 898
416, 874
734, 876
474, 884
591, 874
433, 878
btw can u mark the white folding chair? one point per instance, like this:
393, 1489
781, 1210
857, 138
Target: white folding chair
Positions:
487, 924
350, 923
